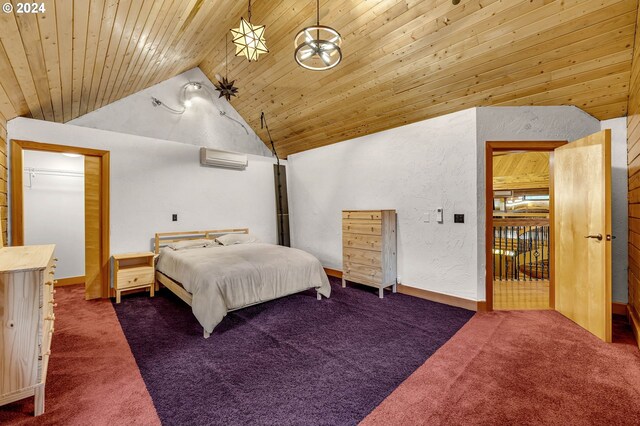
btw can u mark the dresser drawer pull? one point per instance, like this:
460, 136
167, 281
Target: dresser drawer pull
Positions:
54, 266
51, 318
54, 291
55, 305
55, 259
49, 283
51, 272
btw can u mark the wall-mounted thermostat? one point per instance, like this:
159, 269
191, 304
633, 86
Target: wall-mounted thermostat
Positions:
440, 215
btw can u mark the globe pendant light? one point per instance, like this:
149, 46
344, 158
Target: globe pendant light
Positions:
249, 39
317, 47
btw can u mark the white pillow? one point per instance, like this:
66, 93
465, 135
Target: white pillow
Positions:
231, 239
189, 244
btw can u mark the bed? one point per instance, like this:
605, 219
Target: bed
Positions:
216, 279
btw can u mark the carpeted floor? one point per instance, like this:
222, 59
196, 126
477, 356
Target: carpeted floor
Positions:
514, 367
93, 378
295, 360
521, 368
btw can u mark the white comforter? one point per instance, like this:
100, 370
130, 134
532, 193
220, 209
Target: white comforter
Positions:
224, 278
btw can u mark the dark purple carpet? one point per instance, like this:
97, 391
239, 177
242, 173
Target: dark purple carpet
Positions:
292, 361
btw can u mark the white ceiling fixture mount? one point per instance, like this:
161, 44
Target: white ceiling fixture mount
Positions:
317, 47
249, 39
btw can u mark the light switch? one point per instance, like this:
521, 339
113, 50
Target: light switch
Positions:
439, 215
174, 217
426, 217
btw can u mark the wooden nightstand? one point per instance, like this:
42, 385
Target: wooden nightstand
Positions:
133, 271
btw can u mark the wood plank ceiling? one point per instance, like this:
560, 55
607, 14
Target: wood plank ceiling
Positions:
404, 60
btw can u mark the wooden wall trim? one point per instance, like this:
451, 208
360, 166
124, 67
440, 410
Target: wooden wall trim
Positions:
62, 282
618, 308
433, 296
17, 202
473, 305
333, 272
460, 302
634, 320
633, 169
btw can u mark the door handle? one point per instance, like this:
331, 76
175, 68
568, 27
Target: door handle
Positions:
597, 237
610, 237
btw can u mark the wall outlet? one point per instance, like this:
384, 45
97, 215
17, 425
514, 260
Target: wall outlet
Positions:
458, 218
174, 217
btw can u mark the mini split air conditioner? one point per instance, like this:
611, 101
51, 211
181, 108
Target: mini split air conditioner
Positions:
218, 158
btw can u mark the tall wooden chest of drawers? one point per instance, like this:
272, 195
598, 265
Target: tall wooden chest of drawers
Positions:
369, 248
26, 327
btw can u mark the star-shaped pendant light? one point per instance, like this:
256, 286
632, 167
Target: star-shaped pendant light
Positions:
226, 88
249, 39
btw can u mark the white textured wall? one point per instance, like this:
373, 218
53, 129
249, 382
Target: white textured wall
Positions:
526, 124
151, 179
413, 169
200, 125
54, 209
619, 207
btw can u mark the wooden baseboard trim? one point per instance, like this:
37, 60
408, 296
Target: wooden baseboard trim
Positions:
70, 281
618, 308
460, 302
333, 272
634, 320
447, 299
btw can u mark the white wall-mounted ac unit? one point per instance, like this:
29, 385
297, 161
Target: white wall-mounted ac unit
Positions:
218, 158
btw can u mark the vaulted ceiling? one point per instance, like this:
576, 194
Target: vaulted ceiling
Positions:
404, 60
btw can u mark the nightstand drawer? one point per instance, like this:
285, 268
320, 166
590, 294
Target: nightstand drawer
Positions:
135, 277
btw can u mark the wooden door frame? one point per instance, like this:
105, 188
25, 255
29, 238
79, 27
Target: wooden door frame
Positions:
528, 146
17, 197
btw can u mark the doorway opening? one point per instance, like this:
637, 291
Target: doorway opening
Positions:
519, 225
521, 238
41, 178
53, 197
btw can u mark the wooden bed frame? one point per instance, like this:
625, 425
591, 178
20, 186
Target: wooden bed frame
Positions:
164, 238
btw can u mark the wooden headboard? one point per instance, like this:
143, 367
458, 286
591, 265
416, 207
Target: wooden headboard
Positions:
164, 238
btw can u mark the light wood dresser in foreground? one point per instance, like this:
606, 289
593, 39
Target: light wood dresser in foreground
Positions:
26, 310
133, 271
369, 248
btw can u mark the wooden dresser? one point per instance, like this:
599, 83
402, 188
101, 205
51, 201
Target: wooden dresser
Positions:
26, 311
369, 248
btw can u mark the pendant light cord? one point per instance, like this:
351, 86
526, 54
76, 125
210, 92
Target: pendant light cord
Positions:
318, 12
249, 11
226, 56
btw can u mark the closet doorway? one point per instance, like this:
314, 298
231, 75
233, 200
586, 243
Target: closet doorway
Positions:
60, 194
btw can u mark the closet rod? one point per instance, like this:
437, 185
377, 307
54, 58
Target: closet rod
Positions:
53, 172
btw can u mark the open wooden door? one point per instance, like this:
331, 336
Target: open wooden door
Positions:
582, 219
